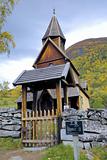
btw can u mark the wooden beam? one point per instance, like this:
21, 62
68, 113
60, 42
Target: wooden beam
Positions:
24, 101
65, 89
59, 98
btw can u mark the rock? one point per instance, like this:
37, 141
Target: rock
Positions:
15, 122
88, 137
93, 126
87, 146
7, 115
18, 115
14, 134
4, 122
11, 127
16, 111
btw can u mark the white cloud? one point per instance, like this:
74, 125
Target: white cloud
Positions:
10, 69
92, 31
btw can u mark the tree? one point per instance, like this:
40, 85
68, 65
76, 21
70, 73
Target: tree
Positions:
6, 39
4, 87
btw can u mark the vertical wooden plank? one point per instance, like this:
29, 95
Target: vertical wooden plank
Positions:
59, 98
53, 127
33, 134
49, 126
41, 127
29, 122
37, 127
56, 130
65, 90
45, 126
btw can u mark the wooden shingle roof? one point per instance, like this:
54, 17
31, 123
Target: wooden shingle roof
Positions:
53, 29
43, 74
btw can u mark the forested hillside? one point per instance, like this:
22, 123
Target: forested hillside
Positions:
90, 58
8, 96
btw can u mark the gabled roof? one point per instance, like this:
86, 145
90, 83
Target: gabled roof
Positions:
53, 29
43, 74
61, 52
44, 46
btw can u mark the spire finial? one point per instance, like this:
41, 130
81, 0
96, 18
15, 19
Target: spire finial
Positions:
54, 11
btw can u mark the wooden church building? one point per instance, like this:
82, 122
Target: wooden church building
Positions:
46, 89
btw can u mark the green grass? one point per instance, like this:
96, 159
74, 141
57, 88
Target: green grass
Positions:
99, 153
61, 152
10, 144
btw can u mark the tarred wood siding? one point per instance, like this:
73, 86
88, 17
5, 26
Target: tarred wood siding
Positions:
50, 55
57, 41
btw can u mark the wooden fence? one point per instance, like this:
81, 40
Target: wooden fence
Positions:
40, 128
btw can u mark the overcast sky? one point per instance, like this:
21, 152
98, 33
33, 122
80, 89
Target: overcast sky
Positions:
79, 19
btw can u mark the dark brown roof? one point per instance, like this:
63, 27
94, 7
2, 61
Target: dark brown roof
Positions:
53, 29
43, 74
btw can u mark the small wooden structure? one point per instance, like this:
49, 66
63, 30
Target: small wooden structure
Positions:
52, 70
46, 99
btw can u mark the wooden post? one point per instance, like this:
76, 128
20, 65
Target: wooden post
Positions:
59, 109
24, 101
59, 98
65, 89
24, 112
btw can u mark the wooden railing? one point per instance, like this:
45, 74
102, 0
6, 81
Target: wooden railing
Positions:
39, 128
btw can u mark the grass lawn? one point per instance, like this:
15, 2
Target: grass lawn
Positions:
58, 152
99, 153
10, 144
61, 152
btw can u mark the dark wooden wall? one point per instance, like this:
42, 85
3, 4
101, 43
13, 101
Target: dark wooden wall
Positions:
50, 56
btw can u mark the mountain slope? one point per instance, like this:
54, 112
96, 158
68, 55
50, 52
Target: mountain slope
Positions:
90, 58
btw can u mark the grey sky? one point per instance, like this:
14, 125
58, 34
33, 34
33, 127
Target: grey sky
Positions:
30, 19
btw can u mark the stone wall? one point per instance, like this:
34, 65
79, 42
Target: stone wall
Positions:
10, 122
94, 125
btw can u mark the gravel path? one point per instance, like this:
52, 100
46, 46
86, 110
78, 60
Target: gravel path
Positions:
20, 155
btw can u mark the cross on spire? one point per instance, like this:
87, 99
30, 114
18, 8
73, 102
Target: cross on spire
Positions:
54, 11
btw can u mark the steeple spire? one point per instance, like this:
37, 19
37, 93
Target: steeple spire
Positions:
54, 31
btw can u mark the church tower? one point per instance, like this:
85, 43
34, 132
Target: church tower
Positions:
55, 33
